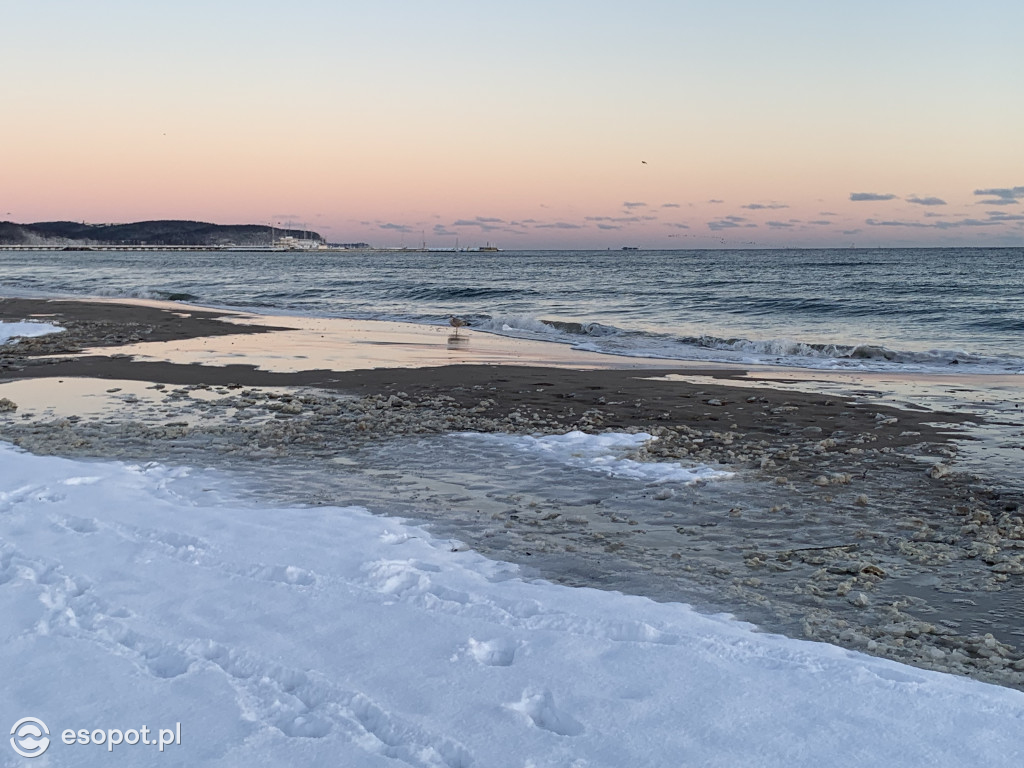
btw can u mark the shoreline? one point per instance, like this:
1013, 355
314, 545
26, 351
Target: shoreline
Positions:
850, 507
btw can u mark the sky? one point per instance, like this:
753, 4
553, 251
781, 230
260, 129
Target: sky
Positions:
528, 124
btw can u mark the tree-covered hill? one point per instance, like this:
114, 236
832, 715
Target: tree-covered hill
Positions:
167, 232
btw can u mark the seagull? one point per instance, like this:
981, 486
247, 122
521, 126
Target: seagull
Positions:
644, 162
456, 323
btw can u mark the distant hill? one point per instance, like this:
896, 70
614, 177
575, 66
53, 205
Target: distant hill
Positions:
170, 232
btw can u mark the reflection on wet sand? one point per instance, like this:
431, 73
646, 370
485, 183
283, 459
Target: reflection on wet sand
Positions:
345, 345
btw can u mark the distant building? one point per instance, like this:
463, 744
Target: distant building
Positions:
290, 243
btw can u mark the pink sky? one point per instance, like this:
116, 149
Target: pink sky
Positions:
526, 127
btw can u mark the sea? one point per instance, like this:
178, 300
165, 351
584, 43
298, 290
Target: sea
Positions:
936, 310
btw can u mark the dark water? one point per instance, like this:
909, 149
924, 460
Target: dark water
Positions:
956, 310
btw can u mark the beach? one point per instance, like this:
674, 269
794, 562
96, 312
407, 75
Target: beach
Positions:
519, 386
844, 520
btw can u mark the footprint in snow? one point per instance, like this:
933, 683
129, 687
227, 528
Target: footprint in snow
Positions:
493, 653
541, 710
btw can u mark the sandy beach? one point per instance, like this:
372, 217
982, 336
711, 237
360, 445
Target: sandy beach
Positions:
848, 520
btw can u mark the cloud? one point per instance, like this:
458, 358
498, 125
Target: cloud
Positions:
937, 225
478, 221
866, 197
925, 200
559, 225
964, 223
396, 227
670, 205
486, 223
852, 231
712, 200
441, 230
779, 224
1000, 216
821, 222
1001, 195
677, 225
629, 204
1004, 195
616, 219
609, 226
765, 206
729, 222
894, 223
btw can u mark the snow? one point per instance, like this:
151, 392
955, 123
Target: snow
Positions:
605, 453
152, 595
25, 329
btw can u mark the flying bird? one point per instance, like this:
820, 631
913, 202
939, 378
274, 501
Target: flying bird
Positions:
644, 162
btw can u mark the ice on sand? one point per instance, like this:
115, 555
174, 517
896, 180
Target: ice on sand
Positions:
24, 329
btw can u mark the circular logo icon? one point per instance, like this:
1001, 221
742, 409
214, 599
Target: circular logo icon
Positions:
30, 737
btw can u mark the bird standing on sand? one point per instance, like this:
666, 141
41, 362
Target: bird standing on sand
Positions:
456, 323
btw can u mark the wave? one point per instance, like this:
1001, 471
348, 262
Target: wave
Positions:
529, 325
608, 339
840, 352
146, 293
450, 293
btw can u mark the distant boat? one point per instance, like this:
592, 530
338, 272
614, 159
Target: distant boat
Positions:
488, 247
630, 248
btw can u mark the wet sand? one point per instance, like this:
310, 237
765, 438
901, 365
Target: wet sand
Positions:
849, 521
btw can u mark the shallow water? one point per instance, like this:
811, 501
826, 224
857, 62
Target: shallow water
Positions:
670, 541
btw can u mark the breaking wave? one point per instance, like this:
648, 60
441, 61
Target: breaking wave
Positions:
529, 326
608, 339
146, 293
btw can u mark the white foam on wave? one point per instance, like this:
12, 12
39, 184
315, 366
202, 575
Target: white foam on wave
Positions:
854, 356
797, 354
525, 326
607, 453
24, 329
137, 292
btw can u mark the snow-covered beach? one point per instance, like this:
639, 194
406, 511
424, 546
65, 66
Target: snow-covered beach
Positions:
147, 595
269, 626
